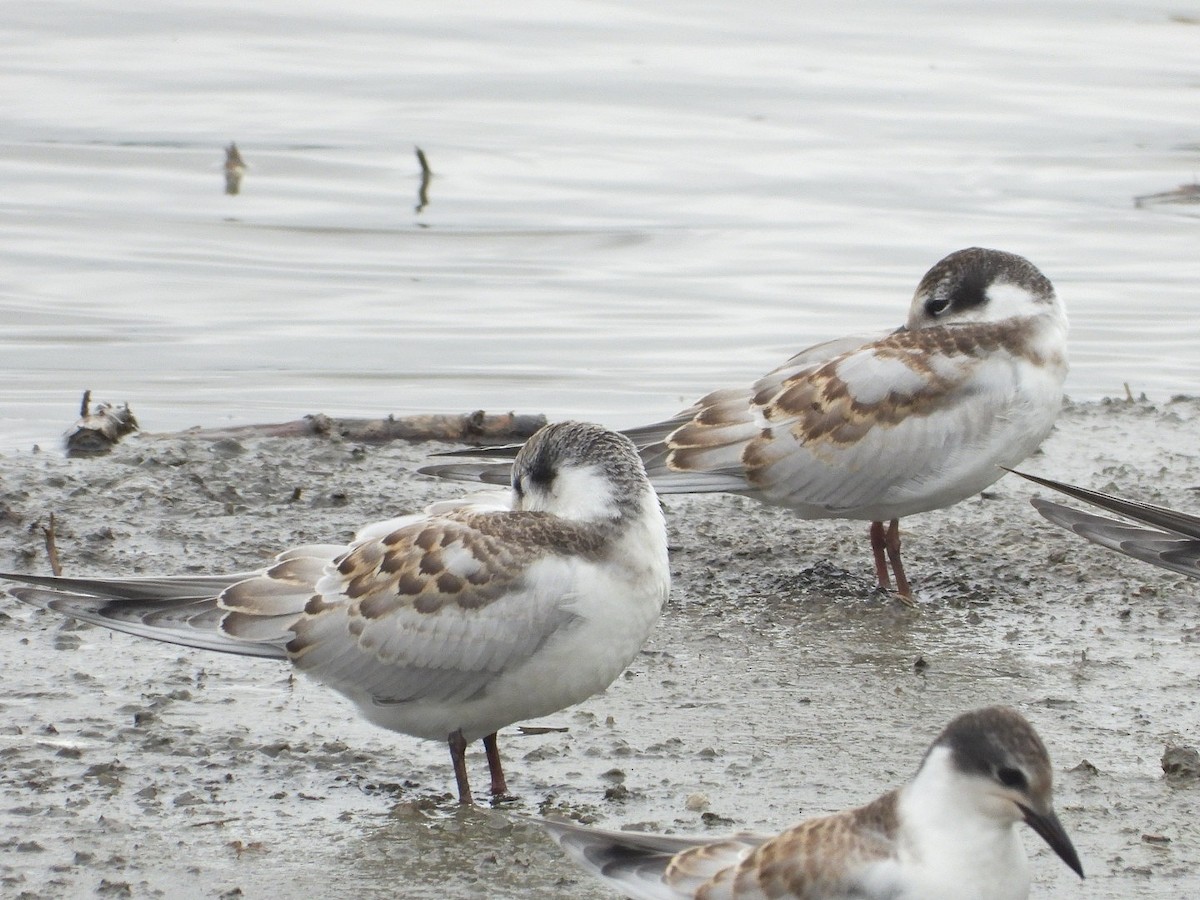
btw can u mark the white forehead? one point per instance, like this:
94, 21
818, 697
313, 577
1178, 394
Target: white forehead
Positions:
579, 491
1006, 300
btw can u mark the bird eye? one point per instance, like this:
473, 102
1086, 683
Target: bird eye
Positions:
935, 306
1012, 778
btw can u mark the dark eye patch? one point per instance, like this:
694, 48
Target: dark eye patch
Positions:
541, 471
970, 292
1012, 778
966, 292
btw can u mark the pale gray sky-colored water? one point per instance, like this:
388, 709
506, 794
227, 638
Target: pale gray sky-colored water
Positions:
632, 205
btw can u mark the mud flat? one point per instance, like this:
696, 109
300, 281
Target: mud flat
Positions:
777, 686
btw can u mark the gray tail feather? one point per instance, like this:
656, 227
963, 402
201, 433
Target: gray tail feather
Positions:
637, 864
503, 451
1156, 516
635, 841
664, 482
647, 435
174, 587
648, 440
188, 620
627, 859
642, 437
1165, 549
474, 473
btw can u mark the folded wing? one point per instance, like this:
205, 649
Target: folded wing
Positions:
423, 606
637, 864
888, 422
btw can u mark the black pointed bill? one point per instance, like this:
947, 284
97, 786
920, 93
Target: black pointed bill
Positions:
1051, 831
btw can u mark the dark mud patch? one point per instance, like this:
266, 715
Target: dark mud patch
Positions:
778, 685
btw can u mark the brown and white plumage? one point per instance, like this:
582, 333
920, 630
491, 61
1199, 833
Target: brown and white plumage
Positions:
949, 834
446, 625
912, 421
1165, 537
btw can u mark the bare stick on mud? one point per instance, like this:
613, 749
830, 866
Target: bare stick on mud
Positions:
48, 534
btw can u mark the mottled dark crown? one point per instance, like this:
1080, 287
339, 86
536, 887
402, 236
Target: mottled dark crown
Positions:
960, 281
566, 444
986, 740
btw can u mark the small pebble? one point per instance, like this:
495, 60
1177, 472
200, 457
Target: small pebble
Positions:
697, 802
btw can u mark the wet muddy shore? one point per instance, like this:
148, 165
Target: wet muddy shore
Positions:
778, 684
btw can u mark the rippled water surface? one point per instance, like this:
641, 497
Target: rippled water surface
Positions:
632, 203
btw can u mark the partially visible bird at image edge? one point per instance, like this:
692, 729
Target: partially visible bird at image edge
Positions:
951, 833
1158, 535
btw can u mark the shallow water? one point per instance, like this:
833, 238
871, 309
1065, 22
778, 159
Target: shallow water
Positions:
631, 205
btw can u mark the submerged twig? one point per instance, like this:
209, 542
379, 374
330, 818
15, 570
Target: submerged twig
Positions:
426, 177
235, 168
1185, 193
425, 170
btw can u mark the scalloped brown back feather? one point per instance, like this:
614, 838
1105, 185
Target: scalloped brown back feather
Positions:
463, 559
796, 863
819, 407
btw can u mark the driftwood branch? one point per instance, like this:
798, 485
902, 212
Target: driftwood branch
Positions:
476, 427
103, 425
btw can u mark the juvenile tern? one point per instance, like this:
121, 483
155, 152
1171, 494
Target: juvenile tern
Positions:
877, 429
446, 625
949, 834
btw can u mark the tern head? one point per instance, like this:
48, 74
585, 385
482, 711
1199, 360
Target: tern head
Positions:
979, 285
580, 471
1002, 770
